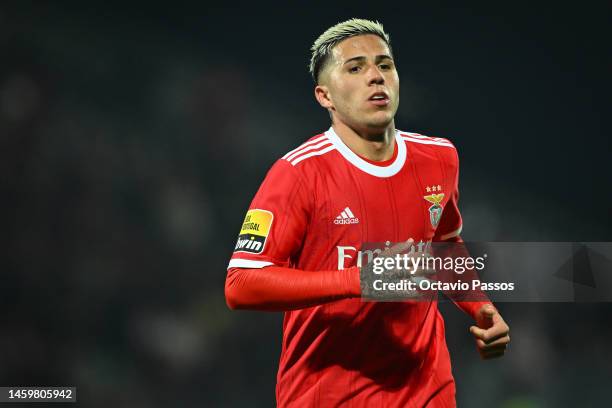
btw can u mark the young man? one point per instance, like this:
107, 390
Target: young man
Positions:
299, 247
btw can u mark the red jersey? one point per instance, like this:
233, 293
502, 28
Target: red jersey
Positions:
315, 208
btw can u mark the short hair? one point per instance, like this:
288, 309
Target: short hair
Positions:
323, 46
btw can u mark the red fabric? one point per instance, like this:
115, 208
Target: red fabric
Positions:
472, 308
323, 205
277, 288
449, 222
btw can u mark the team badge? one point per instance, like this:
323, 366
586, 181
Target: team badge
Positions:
435, 211
254, 231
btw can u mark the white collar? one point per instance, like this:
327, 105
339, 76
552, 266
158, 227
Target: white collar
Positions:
374, 170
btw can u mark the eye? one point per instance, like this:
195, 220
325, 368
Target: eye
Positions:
354, 69
385, 66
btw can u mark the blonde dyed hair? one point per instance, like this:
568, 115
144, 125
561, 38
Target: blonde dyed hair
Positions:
321, 50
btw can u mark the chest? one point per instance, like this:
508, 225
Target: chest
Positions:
354, 207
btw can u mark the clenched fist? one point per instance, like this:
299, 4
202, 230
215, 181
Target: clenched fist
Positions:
491, 332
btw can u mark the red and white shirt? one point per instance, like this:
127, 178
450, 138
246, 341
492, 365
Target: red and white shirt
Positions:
315, 208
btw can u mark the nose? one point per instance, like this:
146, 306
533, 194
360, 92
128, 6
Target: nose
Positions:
375, 77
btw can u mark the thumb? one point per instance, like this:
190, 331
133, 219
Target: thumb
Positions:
477, 332
488, 310
398, 248
486, 316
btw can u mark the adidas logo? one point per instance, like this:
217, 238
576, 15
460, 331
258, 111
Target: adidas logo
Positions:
346, 217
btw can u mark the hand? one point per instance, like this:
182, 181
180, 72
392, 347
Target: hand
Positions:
492, 334
404, 270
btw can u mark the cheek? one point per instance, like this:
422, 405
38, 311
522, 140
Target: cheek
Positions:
344, 97
394, 82
351, 95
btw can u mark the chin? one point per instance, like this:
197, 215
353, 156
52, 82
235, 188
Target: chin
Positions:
380, 122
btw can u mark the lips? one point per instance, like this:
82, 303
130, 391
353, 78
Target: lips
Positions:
379, 99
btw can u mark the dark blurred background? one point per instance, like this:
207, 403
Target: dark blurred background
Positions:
133, 137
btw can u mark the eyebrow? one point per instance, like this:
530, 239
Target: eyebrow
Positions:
362, 58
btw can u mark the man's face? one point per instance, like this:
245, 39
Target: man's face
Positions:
361, 82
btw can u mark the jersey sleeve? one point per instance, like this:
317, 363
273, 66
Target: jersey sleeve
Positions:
449, 230
275, 224
450, 223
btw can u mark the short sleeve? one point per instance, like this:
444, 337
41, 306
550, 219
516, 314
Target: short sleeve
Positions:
275, 224
450, 223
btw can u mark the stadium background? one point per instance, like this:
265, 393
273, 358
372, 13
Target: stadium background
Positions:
132, 138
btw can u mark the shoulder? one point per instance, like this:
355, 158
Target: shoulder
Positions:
293, 166
422, 140
421, 144
318, 145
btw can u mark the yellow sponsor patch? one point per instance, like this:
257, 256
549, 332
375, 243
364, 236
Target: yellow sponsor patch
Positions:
254, 231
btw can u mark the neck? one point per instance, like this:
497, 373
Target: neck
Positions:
376, 145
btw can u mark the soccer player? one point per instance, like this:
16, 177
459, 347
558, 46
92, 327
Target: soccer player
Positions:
299, 248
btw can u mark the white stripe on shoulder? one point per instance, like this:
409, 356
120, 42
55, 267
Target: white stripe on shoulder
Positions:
428, 142
417, 135
247, 263
452, 234
413, 136
311, 154
326, 142
310, 142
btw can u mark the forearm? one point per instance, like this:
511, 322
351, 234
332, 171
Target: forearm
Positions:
470, 301
276, 288
472, 307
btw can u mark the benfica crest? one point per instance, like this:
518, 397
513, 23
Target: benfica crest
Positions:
435, 211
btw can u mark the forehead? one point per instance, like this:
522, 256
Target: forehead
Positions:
360, 45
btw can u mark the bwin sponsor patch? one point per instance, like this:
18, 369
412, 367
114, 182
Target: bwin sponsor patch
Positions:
254, 231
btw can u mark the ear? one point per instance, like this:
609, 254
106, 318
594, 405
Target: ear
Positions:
322, 95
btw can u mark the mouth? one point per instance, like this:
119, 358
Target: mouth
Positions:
379, 99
